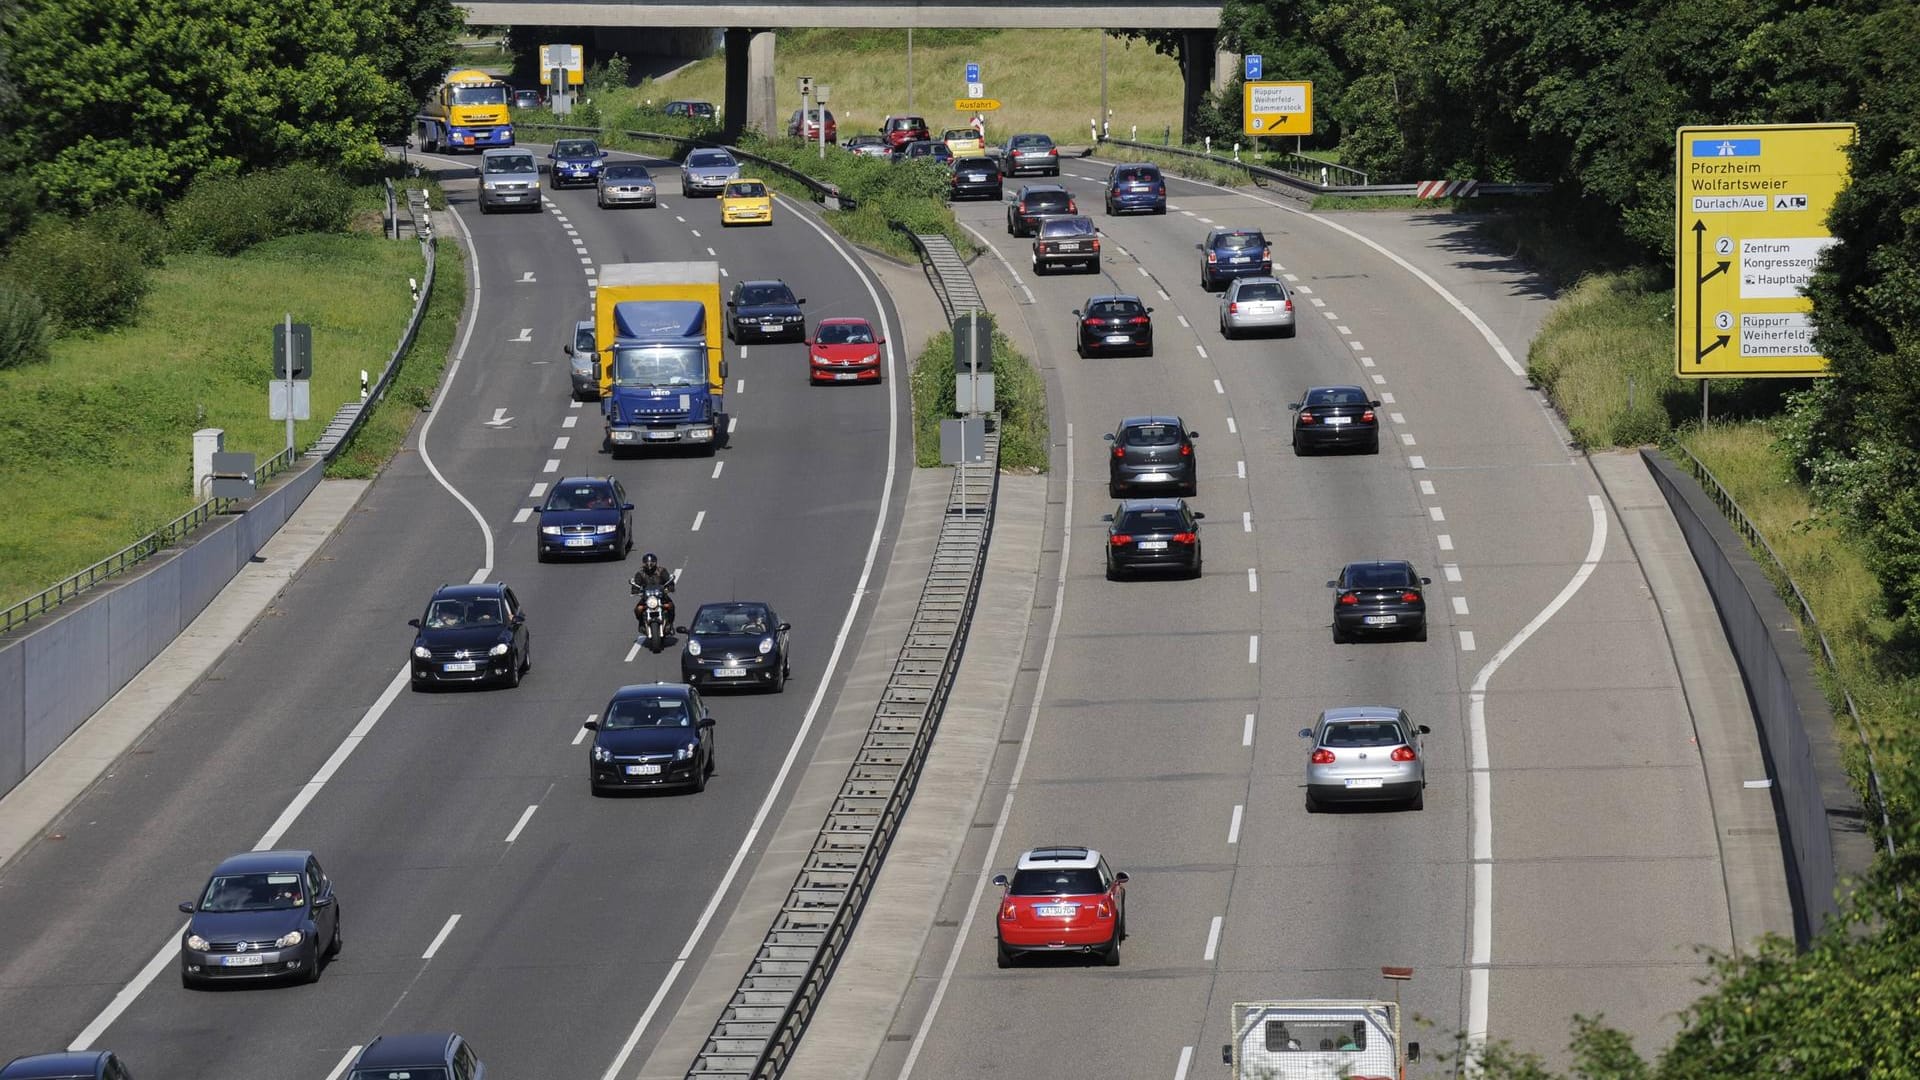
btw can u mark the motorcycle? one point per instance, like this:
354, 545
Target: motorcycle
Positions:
651, 611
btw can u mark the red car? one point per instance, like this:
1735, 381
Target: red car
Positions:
844, 350
804, 124
901, 130
1062, 899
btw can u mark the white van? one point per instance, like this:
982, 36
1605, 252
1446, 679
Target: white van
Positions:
509, 177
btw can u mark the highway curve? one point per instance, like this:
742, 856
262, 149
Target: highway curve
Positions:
482, 889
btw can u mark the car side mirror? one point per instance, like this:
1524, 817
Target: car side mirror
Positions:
322, 902
186, 907
591, 725
1000, 880
808, 343
706, 721
802, 300
1333, 585
1426, 581
519, 619
1413, 1051
1423, 729
1106, 517
603, 153
415, 623
730, 303
1198, 516
626, 506
1293, 406
1121, 877
1149, 311
1076, 313
567, 348
1306, 733
679, 629
784, 627
1375, 404
879, 341
1193, 434
1108, 436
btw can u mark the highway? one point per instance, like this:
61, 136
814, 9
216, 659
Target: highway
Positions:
1165, 732
482, 889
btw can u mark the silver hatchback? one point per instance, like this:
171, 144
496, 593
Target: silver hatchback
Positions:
1256, 304
1365, 754
627, 184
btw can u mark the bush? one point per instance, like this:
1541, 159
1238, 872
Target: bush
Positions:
1020, 396
86, 279
142, 234
227, 215
23, 328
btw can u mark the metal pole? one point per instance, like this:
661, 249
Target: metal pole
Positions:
822, 118
909, 69
1704, 383
288, 332
973, 391
1103, 81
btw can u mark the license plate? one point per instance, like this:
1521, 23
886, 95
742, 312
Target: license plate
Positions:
242, 961
1363, 781
1152, 476
462, 665
729, 673
1239, 259
661, 435
1339, 421
1118, 339
1153, 545
642, 770
846, 376
773, 325
977, 178
1056, 911
579, 541
1382, 620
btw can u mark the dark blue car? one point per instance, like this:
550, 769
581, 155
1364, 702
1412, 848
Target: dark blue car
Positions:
69, 1065
470, 634
651, 735
440, 1055
1231, 253
263, 915
1134, 188
576, 162
586, 515
735, 643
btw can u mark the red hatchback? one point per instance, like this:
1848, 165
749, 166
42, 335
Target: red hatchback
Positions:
844, 350
901, 130
1062, 899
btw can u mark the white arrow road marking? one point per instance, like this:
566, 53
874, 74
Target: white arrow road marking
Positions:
526, 334
500, 419
527, 278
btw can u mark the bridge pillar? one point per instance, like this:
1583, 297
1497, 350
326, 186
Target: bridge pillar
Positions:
733, 107
762, 107
1226, 64
1196, 63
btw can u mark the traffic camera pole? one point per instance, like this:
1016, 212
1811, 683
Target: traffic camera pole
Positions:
287, 333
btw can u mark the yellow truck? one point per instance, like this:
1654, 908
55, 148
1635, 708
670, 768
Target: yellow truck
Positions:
468, 111
663, 375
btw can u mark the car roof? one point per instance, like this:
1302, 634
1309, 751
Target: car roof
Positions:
763, 281
1110, 298
1163, 502
413, 1048
1216, 233
1400, 563
465, 591
1136, 165
61, 1063
1153, 418
580, 323
1259, 279
584, 480
1031, 135
1339, 386
746, 180
260, 862
1058, 856
506, 151
1031, 189
632, 690
1361, 712
844, 320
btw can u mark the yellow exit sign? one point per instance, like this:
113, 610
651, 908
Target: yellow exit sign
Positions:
1276, 108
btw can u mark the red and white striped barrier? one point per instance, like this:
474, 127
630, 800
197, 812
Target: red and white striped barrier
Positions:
1443, 189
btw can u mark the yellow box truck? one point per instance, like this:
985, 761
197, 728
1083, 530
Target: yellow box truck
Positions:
663, 376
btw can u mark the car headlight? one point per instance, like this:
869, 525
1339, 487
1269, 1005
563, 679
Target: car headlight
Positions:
795, 318
498, 650
420, 653
551, 530
686, 752
871, 358
605, 529
289, 940
693, 647
197, 943
766, 645
602, 754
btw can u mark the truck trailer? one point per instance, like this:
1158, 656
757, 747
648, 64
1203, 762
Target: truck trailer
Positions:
663, 374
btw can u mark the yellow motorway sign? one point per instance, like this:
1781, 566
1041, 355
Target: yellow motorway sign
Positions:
975, 104
575, 63
1276, 108
1751, 222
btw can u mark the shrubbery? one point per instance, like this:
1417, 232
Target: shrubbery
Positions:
1019, 396
87, 276
227, 215
23, 327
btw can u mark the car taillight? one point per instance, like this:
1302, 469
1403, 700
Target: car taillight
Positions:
1053, 152
1212, 257
1139, 320
1096, 243
1266, 253
1403, 753
1119, 453
1072, 207
1233, 308
1367, 417
1323, 756
1009, 912
1306, 417
1410, 597
1289, 306
1119, 539
1186, 538
1104, 911
1349, 598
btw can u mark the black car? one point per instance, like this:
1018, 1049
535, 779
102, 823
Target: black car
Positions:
440, 1055
263, 915
67, 1065
1378, 598
1153, 534
651, 735
1152, 452
1034, 202
918, 149
1232, 253
470, 634
1340, 417
1110, 324
736, 643
974, 178
765, 311
586, 515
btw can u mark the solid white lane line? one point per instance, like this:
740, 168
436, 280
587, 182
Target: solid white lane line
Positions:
1217, 388
169, 954
779, 783
1184, 322
1240, 467
717, 466
525, 816
569, 421
1466, 641
446, 387
561, 442
698, 518
1415, 461
1232, 428
1233, 827
345, 1060
1253, 648
521, 515
1213, 939
1246, 733
440, 938
552, 465
580, 736
1004, 264
1452, 571
1253, 579
1436, 513
1179, 1069
1446, 542
1246, 521
1426, 487
1460, 605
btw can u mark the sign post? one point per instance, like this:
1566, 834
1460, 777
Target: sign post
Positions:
287, 395
1750, 225
1256, 65
820, 100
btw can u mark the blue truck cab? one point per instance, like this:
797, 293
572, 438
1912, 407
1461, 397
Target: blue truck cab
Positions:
657, 364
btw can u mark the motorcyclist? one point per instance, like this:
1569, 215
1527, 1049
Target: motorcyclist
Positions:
651, 575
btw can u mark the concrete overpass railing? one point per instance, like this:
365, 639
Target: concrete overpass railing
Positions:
895, 14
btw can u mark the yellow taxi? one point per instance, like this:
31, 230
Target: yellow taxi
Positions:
964, 142
746, 202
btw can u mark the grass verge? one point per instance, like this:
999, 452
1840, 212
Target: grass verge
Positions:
100, 443
1605, 357
1018, 392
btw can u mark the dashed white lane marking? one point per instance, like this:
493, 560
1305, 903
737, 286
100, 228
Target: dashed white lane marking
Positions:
1343, 331
1426, 487
632, 651
695, 232
1306, 290
521, 515
526, 334
1316, 301
1163, 294
440, 938
1217, 388
584, 260
1366, 361
570, 230
1436, 514
1357, 347
525, 816
711, 254
345, 1060
567, 422
1246, 732
1206, 221
539, 489
717, 466
679, 219
553, 465
1452, 571
1246, 521
698, 518
1233, 827
1466, 641
1202, 350
1179, 1068
579, 244
1416, 462
1385, 398
1253, 579
575, 403
723, 272
1143, 271
1240, 468
1124, 253
740, 385
590, 272
560, 442
1213, 939
743, 351
1189, 213
1253, 648
1292, 278
1184, 322
580, 736
1379, 380
732, 421
1398, 418
526, 278
1445, 541
1406, 439
1232, 428
1460, 605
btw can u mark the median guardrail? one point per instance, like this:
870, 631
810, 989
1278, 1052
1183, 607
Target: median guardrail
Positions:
1308, 187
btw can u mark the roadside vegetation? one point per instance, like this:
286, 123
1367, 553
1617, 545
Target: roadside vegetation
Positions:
1018, 393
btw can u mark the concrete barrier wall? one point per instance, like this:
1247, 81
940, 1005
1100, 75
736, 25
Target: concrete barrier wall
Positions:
61, 671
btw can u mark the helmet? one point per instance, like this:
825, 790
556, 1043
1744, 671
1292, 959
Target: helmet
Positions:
648, 560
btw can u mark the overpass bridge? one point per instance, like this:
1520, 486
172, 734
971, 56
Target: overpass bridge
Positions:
750, 29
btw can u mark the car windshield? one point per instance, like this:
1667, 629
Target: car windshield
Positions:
575, 148
582, 339
730, 619
905, 123
511, 163
581, 497
1260, 290
1067, 227
1168, 520
1337, 395
710, 159
655, 365
765, 294
747, 191
699, 108
1030, 141
1115, 309
652, 711
1083, 881
479, 95
452, 613
1042, 200
845, 334
1136, 175
628, 172
960, 133
431, 1072
253, 892
1239, 241
1379, 576
1152, 435
1362, 733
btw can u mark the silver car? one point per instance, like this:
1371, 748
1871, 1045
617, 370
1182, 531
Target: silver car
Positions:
509, 177
627, 184
1256, 304
583, 362
706, 172
1365, 754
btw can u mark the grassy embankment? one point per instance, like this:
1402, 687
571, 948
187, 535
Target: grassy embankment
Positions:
101, 437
